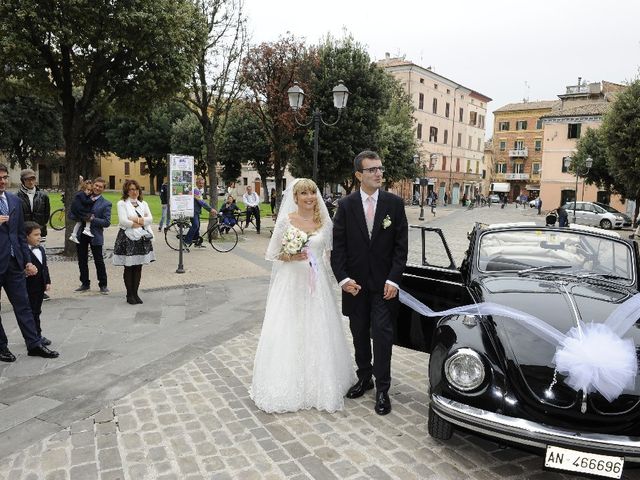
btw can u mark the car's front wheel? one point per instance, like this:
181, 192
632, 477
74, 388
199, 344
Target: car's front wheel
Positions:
606, 224
438, 427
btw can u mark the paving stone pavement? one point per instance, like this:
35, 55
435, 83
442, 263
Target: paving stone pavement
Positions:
185, 412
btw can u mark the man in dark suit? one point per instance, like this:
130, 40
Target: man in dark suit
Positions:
14, 264
99, 219
370, 244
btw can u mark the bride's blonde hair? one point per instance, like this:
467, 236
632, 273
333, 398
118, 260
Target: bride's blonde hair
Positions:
308, 185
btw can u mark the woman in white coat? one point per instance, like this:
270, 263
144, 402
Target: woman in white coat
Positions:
133, 247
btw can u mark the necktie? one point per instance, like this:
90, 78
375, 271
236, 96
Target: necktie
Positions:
4, 208
370, 213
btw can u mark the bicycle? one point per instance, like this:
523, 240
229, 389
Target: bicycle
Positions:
57, 219
223, 238
241, 218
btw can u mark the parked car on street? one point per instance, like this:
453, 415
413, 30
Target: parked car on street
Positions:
532, 340
627, 219
590, 213
493, 198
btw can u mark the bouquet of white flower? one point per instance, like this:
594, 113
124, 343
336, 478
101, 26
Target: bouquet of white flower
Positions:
294, 240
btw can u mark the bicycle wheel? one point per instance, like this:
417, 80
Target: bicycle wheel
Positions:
172, 234
223, 238
57, 219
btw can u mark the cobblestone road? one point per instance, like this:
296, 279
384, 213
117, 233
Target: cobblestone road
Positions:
196, 421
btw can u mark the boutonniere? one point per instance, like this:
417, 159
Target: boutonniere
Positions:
386, 222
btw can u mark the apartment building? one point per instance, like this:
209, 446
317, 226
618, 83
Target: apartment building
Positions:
518, 145
581, 107
450, 123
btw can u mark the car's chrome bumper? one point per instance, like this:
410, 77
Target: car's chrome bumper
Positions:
525, 432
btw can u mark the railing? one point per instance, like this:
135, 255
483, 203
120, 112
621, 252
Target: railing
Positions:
521, 152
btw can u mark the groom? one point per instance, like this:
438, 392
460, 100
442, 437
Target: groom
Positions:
369, 255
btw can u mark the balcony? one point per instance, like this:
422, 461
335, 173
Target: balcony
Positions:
516, 176
520, 152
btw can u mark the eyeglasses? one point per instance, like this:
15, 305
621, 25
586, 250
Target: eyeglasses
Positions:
373, 170
30, 178
4, 177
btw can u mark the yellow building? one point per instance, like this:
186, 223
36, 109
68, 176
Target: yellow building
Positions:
116, 171
518, 145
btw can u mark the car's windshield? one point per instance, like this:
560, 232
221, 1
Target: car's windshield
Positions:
574, 252
607, 208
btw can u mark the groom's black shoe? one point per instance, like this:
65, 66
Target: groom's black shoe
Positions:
360, 387
383, 403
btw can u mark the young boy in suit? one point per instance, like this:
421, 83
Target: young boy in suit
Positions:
39, 283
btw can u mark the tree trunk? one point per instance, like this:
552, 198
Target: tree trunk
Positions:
152, 187
267, 196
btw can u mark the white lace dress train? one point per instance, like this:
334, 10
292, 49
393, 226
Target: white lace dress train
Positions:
302, 360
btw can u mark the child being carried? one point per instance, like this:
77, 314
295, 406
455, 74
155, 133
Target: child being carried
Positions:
81, 209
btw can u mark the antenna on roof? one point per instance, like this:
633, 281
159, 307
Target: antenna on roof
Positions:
526, 97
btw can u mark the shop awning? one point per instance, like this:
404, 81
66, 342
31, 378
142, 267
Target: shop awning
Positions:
532, 187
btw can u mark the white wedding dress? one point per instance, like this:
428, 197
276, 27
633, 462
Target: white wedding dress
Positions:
302, 360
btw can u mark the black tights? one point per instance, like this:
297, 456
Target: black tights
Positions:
132, 276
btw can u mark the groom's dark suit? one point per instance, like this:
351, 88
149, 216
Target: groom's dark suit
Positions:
370, 262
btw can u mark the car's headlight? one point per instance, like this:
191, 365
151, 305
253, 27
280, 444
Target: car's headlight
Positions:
464, 370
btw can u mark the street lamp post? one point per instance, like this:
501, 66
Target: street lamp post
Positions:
568, 163
296, 97
430, 166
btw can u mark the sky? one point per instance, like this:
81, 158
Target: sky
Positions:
507, 50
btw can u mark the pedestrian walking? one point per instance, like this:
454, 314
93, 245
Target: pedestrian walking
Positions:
164, 199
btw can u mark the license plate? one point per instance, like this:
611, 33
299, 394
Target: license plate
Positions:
575, 461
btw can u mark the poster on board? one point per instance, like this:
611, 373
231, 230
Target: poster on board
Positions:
181, 186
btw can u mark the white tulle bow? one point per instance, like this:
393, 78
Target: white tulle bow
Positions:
593, 356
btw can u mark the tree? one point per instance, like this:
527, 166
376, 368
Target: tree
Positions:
621, 137
92, 56
591, 144
215, 84
30, 131
359, 128
186, 139
244, 141
396, 139
268, 71
145, 137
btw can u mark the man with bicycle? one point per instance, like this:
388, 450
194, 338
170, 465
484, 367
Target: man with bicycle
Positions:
198, 205
252, 202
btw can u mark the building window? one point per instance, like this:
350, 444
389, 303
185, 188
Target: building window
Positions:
422, 80
245, 181
501, 167
477, 167
448, 91
444, 162
468, 166
470, 140
435, 106
419, 132
518, 168
564, 169
535, 168
518, 145
539, 124
473, 118
433, 134
459, 140
481, 121
479, 144
574, 130
143, 168
521, 125
127, 169
446, 109
461, 115
503, 126
435, 86
457, 164
538, 145
446, 137
420, 101
503, 145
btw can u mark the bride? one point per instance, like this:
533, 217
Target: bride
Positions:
302, 360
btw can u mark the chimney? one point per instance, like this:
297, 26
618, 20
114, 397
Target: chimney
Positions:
387, 55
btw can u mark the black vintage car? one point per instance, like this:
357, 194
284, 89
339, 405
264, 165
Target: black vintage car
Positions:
503, 374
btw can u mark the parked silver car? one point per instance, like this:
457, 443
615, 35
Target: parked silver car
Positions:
590, 213
627, 219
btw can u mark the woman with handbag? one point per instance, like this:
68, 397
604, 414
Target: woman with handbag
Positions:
133, 247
